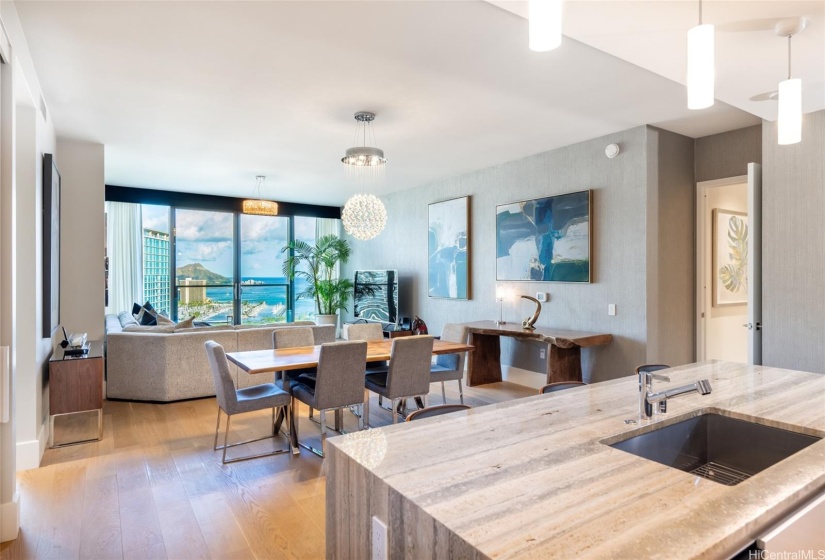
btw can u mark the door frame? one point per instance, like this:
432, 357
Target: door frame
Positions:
702, 189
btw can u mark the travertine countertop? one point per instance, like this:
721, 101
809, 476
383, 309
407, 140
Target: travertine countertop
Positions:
531, 478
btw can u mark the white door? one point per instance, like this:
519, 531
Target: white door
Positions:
754, 323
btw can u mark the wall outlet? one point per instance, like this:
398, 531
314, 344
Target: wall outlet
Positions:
379, 540
611, 309
541, 296
542, 353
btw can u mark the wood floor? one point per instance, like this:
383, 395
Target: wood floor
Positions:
154, 488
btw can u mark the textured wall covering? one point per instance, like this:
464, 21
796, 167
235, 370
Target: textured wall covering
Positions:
620, 191
671, 256
793, 247
728, 154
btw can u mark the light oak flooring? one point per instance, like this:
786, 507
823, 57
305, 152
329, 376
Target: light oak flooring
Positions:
154, 488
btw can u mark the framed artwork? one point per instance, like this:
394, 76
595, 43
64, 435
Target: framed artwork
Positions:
448, 272
544, 240
730, 257
51, 246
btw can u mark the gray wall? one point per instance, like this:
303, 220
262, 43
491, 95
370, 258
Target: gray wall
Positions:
728, 154
620, 248
671, 249
793, 247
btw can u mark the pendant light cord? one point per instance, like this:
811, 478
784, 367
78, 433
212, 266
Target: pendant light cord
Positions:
789, 56
700, 12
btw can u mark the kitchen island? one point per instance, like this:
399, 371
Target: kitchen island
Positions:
534, 478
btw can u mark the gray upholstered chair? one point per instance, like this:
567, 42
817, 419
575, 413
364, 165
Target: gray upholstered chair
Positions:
339, 383
365, 331
293, 337
237, 401
450, 367
408, 374
431, 411
560, 386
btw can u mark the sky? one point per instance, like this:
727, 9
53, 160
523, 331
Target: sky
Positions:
206, 238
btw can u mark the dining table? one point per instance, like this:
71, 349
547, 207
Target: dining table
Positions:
300, 357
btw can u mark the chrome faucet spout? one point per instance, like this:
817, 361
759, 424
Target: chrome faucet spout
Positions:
650, 398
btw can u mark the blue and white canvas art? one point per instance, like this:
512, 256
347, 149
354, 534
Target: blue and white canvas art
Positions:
544, 240
448, 249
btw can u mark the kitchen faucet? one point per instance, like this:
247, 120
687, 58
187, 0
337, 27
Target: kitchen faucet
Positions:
647, 398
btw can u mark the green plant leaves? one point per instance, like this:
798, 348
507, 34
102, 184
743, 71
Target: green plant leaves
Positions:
316, 264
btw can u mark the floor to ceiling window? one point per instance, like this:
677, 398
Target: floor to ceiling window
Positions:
264, 291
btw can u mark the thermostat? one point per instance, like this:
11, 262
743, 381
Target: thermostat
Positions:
612, 150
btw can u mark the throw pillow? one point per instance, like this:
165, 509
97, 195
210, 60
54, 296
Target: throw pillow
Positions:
126, 319
187, 324
136, 307
146, 318
163, 319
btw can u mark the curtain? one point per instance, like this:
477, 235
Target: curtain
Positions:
328, 226
124, 242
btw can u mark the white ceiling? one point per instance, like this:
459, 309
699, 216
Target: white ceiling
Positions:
750, 58
202, 96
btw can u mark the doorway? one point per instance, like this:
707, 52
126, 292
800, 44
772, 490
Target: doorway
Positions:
725, 291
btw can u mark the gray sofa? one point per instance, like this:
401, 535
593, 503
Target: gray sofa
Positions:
171, 365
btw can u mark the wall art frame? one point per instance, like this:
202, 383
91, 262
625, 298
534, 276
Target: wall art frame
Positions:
546, 239
448, 249
51, 246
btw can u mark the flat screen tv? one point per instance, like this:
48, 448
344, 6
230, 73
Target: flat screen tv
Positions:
376, 296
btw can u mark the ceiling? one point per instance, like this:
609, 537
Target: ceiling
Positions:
202, 96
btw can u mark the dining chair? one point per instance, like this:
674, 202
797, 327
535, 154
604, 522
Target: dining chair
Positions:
339, 383
407, 376
365, 331
431, 411
560, 386
234, 401
293, 337
450, 367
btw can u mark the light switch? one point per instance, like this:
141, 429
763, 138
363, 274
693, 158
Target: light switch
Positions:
611, 309
379, 540
541, 296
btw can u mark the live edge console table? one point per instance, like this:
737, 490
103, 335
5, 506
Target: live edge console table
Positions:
563, 363
76, 385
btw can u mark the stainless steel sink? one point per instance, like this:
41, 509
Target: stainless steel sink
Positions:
722, 449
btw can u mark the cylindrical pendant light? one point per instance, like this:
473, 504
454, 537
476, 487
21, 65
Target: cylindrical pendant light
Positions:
544, 24
700, 65
789, 122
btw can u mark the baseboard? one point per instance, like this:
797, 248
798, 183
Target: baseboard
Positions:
10, 519
30, 453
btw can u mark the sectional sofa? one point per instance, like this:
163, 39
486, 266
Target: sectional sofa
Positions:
165, 365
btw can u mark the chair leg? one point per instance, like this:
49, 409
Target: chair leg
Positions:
361, 418
443, 394
217, 429
460, 392
339, 420
293, 426
226, 438
365, 413
287, 412
279, 420
395, 411
274, 431
323, 415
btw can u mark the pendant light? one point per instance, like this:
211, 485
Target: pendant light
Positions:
544, 24
364, 215
700, 64
259, 206
364, 156
789, 119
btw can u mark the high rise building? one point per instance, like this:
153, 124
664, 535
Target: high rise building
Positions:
156, 265
192, 291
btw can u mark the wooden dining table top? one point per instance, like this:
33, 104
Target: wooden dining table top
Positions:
263, 361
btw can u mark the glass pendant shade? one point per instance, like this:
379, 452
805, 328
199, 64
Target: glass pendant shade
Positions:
260, 207
700, 67
364, 216
364, 156
544, 24
789, 124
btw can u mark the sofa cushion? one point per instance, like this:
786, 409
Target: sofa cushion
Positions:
150, 328
203, 329
164, 320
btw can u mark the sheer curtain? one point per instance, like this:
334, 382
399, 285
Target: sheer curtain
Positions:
124, 242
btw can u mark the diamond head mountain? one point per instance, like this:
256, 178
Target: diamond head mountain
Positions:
197, 271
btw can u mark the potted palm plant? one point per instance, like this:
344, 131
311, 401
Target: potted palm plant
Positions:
316, 264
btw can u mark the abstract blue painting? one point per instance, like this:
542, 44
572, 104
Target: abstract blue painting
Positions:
545, 240
448, 249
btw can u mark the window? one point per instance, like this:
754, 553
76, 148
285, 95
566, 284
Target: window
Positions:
156, 257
